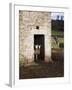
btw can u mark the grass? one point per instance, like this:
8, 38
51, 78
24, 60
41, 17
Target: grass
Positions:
55, 32
59, 34
61, 40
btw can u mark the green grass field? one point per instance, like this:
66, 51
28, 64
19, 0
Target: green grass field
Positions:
55, 32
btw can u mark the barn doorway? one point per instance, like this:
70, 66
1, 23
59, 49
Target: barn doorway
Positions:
39, 48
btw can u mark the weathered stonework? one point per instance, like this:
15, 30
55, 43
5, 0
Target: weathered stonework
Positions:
28, 20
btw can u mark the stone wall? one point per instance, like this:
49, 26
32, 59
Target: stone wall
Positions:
28, 20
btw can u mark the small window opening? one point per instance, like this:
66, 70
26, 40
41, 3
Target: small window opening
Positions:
37, 27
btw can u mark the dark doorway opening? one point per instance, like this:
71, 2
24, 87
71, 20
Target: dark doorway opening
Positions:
39, 47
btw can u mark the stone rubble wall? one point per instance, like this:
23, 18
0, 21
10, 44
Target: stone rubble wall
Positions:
28, 20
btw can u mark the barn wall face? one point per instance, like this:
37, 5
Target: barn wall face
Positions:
28, 20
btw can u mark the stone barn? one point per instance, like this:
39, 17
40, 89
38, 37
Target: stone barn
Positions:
34, 36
